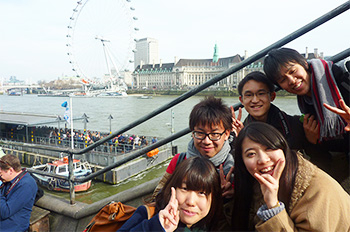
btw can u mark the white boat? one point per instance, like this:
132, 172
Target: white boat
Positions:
145, 97
60, 167
112, 94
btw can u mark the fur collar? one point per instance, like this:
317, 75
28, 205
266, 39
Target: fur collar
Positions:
306, 171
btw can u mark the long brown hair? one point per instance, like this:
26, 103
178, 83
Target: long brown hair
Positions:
199, 174
270, 137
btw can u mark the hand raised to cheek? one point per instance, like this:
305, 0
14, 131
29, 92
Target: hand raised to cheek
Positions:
169, 216
269, 184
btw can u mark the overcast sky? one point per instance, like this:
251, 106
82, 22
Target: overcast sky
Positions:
33, 32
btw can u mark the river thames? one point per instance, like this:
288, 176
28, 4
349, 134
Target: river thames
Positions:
124, 111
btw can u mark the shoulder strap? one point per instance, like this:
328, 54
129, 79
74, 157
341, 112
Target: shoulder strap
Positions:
18, 178
150, 211
182, 156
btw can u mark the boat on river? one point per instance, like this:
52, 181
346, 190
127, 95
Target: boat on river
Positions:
145, 97
112, 94
60, 167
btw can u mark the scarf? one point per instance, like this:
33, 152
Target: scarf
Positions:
323, 90
276, 118
222, 157
285, 124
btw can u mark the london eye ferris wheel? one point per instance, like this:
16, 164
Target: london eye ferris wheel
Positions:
101, 39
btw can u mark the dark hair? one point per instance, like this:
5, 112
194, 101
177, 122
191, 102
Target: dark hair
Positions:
10, 161
211, 111
277, 58
258, 77
199, 174
270, 137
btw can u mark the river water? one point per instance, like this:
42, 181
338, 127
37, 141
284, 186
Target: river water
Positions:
124, 111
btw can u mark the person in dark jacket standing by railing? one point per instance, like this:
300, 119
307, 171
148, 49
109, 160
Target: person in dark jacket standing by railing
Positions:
17, 195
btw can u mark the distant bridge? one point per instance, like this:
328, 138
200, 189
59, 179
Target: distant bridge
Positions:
9, 87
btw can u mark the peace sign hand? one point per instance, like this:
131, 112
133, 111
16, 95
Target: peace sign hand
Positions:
169, 216
269, 184
237, 124
226, 185
344, 112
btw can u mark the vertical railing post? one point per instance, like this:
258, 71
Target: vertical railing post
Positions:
71, 178
110, 117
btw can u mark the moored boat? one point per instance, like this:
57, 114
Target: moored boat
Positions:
60, 167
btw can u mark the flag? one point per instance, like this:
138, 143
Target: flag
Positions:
66, 112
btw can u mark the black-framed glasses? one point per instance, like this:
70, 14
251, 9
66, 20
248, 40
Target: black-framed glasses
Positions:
260, 94
211, 136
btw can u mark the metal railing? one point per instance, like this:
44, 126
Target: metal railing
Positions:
319, 21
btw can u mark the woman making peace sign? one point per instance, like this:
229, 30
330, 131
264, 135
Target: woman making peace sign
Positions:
276, 189
189, 201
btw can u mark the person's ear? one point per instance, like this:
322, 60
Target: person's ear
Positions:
272, 96
240, 99
227, 134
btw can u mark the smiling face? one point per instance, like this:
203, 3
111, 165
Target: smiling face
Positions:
259, 158
193, 205
207, 147
257, 99
295, 79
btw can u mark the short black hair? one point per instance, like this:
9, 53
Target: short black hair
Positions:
211, 111
258, 77
280, 57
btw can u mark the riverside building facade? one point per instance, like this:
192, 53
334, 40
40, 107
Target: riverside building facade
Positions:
190, 73
186, 73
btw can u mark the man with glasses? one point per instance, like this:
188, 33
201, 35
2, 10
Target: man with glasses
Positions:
17, 195
211, 124
256, 92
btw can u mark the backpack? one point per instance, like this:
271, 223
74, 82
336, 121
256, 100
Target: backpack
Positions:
181, 158
112, 216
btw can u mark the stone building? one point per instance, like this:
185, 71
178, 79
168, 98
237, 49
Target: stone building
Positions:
190, 73
186, 73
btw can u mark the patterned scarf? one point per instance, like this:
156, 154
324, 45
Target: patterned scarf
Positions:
222, 157
323, 90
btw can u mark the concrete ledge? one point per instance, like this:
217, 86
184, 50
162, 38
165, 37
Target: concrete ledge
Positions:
81, 210
39, 220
